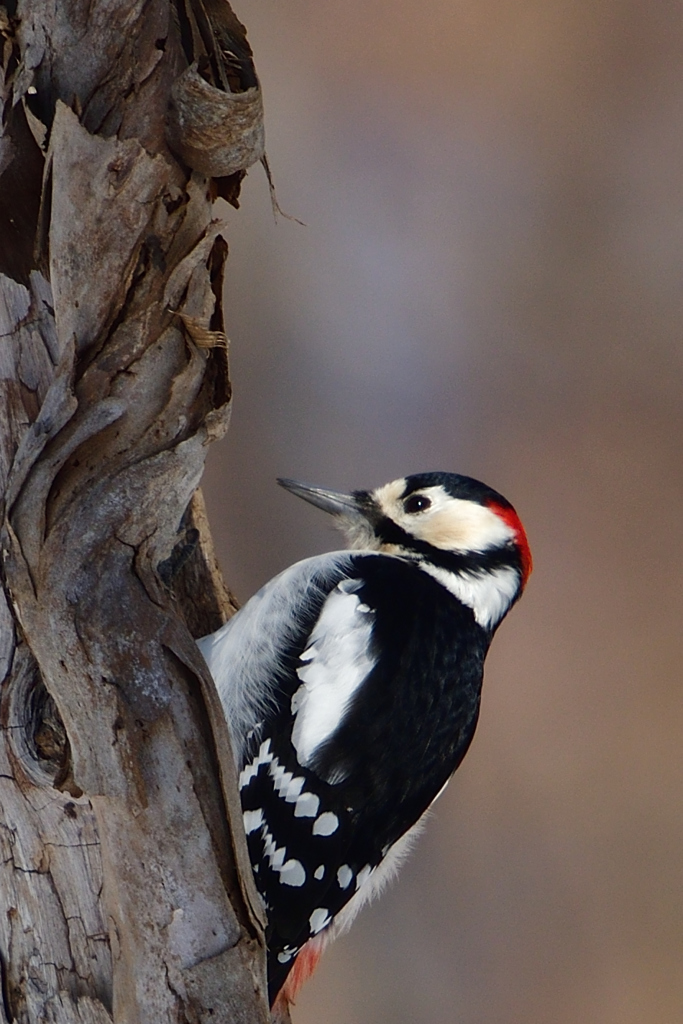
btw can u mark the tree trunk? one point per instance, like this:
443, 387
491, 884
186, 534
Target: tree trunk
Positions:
125, 891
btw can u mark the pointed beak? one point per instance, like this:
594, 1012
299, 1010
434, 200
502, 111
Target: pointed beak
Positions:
329, 501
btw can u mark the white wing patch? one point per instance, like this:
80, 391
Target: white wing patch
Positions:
336, 662
246, 655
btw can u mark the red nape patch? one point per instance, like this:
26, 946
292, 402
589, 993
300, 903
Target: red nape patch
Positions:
303, 968
511, 519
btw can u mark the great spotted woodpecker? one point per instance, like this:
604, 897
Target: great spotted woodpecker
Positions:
351, 685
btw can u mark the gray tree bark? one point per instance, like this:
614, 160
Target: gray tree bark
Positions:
125, 889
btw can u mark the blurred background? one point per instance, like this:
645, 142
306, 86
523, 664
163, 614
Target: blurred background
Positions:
489, 282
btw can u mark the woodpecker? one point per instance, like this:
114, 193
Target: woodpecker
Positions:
351, 685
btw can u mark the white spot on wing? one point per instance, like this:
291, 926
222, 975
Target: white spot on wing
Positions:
276, 855
251, 770
294, 788
281, 777
318, 920
319, 873
326, 824
306, 806
293, 873
344, 876
335, 663
286, 785
252, 820
278, 858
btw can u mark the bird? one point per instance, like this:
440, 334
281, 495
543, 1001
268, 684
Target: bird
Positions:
351, 685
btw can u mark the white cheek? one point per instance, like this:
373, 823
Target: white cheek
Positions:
460, 526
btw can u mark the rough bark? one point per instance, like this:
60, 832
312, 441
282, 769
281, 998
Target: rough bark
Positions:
125, 892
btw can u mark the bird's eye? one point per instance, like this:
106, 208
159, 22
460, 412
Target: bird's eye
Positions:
416, 503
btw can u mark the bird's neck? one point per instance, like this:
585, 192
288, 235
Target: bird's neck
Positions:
490, 593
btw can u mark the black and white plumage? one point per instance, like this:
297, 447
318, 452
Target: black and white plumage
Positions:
351, 683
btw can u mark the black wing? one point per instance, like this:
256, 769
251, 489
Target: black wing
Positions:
374, 712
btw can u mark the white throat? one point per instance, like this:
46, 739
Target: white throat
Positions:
489, 595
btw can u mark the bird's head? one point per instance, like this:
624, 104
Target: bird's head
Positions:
452, 524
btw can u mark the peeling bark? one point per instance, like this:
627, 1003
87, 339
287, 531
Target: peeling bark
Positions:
125, 891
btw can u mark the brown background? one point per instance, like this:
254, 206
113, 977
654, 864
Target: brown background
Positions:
489, 282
